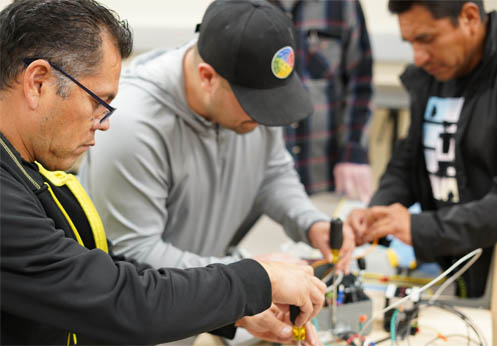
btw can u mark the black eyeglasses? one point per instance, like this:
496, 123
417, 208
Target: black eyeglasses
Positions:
109, 108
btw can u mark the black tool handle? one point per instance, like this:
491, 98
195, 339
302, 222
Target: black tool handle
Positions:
294, 312
361, 263
336, 234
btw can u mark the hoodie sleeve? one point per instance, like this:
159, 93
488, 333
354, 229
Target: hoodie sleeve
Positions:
281, 196
50, 279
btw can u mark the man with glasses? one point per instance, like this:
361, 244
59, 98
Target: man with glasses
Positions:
61, 62
108, 109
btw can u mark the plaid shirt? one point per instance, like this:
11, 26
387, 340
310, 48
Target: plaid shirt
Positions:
334, 61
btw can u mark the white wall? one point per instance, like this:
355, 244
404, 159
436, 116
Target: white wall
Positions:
169, 23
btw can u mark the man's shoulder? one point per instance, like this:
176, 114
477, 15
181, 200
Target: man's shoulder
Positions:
14, 187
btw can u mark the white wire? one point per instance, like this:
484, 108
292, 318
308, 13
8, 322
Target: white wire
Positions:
337, 281
454, 277
425, 287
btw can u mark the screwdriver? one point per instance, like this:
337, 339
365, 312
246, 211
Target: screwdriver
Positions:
298, 332
336, 238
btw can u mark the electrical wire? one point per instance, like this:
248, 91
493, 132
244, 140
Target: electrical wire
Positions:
396, 278
368, 250
393, 327
420, 290
454, 277
452, 336
336, 282
463, 317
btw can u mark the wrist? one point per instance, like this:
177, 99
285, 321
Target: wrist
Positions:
270, 273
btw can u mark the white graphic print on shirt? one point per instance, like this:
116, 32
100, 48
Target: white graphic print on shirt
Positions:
439, 130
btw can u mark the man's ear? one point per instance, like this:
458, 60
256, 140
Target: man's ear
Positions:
470, 17
208, 77
35, 81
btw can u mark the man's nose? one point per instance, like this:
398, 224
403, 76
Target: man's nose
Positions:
102, 126
421, 55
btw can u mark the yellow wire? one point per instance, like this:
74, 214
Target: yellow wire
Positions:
398, 278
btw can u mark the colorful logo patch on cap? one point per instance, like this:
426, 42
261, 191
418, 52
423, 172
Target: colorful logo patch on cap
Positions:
283, 61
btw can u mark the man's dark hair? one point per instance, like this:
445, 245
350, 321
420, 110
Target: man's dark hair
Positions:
438, 8
65, 32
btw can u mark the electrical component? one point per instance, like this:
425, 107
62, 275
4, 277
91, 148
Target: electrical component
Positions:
406, 315
353, 306
473, 254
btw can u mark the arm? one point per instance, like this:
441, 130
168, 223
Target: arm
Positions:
444, 232
281, 196
395, 187
274, 325
457, 229
51, 279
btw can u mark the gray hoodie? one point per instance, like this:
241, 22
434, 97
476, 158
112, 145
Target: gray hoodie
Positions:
173, 188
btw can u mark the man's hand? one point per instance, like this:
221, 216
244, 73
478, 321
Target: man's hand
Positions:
354, 180
319, 237
274, 325
296, 285
358, 222
347, 249
394, 219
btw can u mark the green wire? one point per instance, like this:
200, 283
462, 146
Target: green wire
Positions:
392, 326
463, 292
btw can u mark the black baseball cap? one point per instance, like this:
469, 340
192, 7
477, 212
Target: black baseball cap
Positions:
251, 43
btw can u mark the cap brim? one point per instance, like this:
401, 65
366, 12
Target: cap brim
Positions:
276, 106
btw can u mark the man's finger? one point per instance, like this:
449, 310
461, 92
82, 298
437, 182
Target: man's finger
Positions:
326, 252
379, 229
381, 224
313, 304
379, 211
281, 330
306, 311
357, 220
311, 336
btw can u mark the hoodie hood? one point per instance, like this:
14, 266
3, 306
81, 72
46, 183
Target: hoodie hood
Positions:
160, 74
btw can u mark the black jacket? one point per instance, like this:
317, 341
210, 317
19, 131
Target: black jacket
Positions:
51, 285
445, 234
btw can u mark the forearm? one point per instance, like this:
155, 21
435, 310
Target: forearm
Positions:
281, 196
286, 202
120, 305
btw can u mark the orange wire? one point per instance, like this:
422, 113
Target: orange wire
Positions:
369, 250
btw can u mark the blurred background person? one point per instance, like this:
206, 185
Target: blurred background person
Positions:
334, 61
